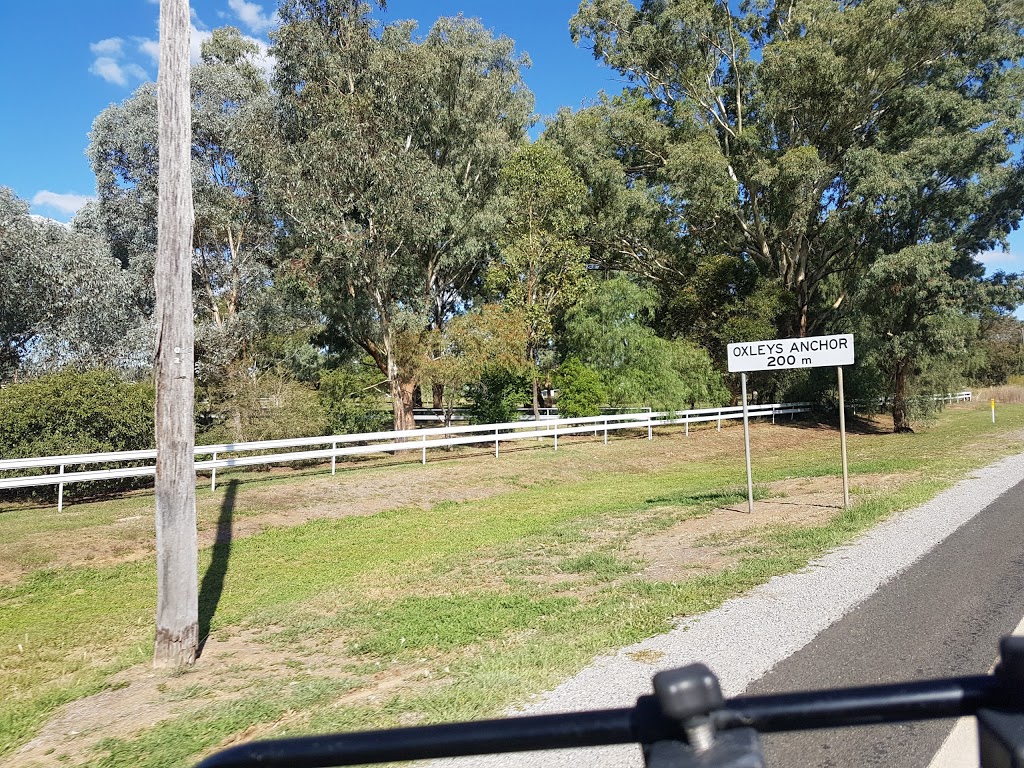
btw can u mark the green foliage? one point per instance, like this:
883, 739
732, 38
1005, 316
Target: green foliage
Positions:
724, 300
580, 391
1000, 349
541, 265
260, 406
496, 396
353, 399
75, 412
239, 305
63, 299
913, 318
607, 330
387, 154
491, 337
806, 138
21, 293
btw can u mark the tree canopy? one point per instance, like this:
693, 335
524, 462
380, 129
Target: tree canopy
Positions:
389, 150
807, 137
382, 198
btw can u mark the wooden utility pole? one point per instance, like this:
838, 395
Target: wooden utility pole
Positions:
177, 578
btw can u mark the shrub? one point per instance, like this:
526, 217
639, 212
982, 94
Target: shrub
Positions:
580, 392
75, 412
268, 406
495, 398
353, 400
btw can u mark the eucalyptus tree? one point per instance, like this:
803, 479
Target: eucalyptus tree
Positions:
769, 129
913, 316
618, 148
63, 298
91, 319
22, 280
390, 147
232, 245
541, 265
478, 352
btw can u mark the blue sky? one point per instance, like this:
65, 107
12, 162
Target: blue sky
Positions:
67, 59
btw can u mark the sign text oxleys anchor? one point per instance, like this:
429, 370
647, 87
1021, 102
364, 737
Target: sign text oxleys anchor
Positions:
777, 354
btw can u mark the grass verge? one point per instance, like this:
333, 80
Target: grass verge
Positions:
414, 615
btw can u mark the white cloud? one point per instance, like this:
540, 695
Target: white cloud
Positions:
1005, 260
136, 72
199, 36
150, 48
253, 16
112, 66
109, 70
68, 204
108, 63
116, 73
112, 46
262, 58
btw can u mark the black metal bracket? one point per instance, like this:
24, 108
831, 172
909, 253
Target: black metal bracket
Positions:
688, 696
1001, 730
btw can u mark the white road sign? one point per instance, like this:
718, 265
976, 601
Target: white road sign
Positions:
778, 354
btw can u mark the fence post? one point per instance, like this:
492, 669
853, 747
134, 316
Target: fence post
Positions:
606, 430
60, 493
719, 421
495, 442
213, 476
424, 449
686, 417
554, 424
650, 428
334, 456
773, 414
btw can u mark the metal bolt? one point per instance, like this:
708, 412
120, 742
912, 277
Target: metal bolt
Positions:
700, 733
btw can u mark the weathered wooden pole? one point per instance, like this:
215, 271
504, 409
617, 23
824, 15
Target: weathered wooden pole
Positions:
177, 579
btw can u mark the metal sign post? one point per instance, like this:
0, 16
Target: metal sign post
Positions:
842, 437
783, 354
746, 443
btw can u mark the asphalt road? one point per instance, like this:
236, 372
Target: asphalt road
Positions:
942, 616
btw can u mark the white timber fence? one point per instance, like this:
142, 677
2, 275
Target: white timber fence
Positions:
333, 447
525, 414
886, 402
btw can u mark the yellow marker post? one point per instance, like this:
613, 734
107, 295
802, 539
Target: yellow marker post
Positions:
993, 410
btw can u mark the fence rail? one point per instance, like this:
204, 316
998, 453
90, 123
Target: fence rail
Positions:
338, 446
885, 402
525, 414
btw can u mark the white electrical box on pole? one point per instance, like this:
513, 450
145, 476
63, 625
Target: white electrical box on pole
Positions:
783, 354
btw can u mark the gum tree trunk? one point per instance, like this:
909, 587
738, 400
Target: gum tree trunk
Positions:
177, 611
402, 400
900, 407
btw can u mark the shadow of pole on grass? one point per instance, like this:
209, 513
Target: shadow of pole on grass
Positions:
213, 580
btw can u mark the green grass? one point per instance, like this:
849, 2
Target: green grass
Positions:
489, 600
